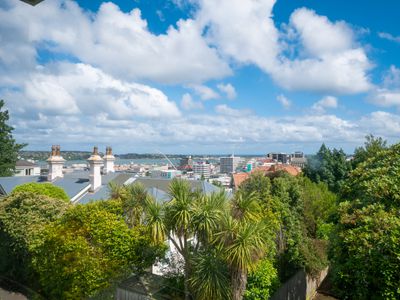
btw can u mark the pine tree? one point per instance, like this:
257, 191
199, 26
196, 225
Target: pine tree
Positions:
8, 147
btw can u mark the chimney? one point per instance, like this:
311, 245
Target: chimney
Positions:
56, 163
108, 161
95, 163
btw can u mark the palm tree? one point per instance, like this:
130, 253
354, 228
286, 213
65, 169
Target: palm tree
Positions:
188, 220
242, 239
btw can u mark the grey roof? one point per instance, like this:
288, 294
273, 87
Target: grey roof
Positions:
25, 163
163, 184
75, 182
9, 183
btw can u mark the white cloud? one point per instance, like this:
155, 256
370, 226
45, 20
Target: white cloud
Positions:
120, 43
389, 94
80, 89
391, 78
285, 102
241, 29
325, 103
388, 36
228, 89
188, 103
329, 60
318, 35
224, 109
204, 92
385, 98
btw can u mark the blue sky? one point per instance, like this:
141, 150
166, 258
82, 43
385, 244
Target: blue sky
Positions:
201, 76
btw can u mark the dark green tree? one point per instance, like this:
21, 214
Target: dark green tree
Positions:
329, 166
8, 147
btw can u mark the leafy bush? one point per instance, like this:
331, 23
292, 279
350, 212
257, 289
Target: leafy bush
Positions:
23, 215
263, 282
366, 253
44, 189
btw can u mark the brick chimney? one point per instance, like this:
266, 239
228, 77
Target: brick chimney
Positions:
108, 161
95, 163
56, 163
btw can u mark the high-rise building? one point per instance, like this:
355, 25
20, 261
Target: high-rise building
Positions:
186, 161
279, 157
229, 164
202, 169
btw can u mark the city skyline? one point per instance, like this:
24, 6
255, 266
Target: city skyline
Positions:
200, 76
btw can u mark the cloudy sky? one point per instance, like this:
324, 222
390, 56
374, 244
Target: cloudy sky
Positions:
201, 76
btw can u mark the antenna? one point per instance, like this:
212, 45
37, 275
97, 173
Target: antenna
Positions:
167, 159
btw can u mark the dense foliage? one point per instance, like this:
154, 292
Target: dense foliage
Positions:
22, 217
365, 251
329, 166
44, 189
262, 282
70, 252
87, 248
8, 147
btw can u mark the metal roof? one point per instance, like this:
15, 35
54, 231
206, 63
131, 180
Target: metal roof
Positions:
25, 163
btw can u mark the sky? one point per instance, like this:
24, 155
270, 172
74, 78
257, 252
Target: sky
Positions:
201, 76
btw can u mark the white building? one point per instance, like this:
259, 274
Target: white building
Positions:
26, 168
202, 169
229, 164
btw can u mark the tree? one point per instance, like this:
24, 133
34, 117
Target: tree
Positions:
23, 215
87, 249
8, 147
329, 166
44, 189
371, 147
365, 251
244, 238
187, 220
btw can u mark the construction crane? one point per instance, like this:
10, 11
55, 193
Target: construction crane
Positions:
168, 160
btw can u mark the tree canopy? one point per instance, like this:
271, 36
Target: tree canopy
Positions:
8, 147
365, 251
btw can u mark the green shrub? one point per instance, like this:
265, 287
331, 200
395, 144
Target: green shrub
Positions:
45, 189
263, 282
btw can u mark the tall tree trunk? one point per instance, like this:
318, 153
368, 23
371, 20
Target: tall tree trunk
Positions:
238, 282
186, 282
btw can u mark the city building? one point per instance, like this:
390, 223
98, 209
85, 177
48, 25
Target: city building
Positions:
279, 157
229, 164
298, 159
169, 174
202, 169
186, 161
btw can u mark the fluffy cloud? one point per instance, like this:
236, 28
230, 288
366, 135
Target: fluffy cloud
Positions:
120, 43
228, 89
285, 102
329, 60
204, 92
242, 30
389, 94
80, 89
325, 103
188, 103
